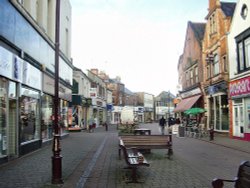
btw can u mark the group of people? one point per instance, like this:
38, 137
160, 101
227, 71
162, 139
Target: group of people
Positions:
163, 122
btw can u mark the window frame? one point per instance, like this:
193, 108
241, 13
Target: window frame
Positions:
216, 65
242, 55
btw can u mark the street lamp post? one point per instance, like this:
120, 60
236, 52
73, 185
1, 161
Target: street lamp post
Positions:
56, 149
210, 60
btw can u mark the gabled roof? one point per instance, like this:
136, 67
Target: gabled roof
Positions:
127, 91
199, 30
228, 8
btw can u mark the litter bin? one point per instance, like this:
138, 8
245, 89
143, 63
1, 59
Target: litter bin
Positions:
181, 131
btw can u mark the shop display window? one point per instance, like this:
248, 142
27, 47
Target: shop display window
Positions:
46, 121
3, 117
224, 113
29, 115
63, 115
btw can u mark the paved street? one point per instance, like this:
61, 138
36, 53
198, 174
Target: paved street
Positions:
91, 160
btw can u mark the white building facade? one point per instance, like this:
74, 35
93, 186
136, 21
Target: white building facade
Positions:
27, 59
239, 63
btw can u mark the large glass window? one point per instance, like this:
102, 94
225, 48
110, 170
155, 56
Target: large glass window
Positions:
241, 56
224, 113
247, 52
46, 121
3, 117
217, 112
243, 51
29, 115
64, 115
12, 119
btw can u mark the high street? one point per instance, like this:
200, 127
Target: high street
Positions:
91, 160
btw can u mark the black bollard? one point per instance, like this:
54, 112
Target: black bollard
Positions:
106, 126
211, 134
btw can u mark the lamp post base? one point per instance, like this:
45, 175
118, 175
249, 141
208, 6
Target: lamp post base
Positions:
56, 170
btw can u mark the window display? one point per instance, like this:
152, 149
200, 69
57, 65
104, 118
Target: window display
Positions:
29, 115
3, 116
63, 115
47, 112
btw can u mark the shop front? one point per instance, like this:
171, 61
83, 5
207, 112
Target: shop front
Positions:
240, 108
47, 108
11, 76
218, 112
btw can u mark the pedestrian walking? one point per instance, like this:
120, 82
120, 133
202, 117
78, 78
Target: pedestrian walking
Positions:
162, 124
106, 126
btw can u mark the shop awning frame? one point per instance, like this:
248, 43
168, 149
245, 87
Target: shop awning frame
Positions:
186, 103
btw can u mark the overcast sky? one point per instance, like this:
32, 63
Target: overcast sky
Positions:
138, 40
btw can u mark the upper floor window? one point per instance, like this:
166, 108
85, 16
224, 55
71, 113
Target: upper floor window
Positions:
216, 65
187, 79
196, 75
191, 77
208, 72
212, 24
224, 59
243, 51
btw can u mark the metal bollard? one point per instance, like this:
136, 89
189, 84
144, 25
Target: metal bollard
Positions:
211, 134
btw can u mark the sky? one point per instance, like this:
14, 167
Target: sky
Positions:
138, 40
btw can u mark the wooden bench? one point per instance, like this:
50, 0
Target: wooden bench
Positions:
146, 142
241, 181
134, 159
142, 131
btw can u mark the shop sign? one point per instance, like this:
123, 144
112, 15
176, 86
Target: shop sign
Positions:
6, 59
17, 69
240, 87
48, 84
195, 91
65, 93
32, 76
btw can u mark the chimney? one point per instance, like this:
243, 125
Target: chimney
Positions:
94, 71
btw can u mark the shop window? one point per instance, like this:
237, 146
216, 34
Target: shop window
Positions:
64, 113
29, 115
3, 117
224, 113
12, 119
217, 112
46, 121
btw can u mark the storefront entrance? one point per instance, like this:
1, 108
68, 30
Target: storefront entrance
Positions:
238, 123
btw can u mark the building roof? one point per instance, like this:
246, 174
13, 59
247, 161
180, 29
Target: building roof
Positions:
127, 91
199, 30
228, 8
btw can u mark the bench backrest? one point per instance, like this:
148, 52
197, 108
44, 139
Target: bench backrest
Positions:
152, 139
125, 154
243, 175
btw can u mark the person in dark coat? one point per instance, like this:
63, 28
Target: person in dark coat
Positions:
162, 124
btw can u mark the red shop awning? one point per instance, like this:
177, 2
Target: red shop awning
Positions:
186, 103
